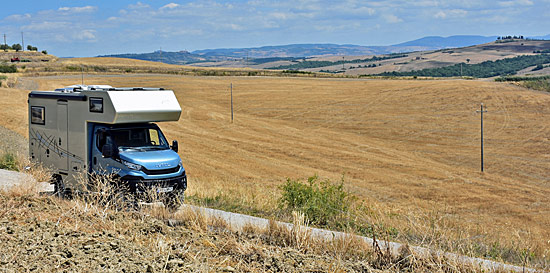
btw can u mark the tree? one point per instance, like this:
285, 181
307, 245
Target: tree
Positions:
5, 47
17, 47
45, 52
32, 48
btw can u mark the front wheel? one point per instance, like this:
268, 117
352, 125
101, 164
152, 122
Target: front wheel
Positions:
59, 188
174, 200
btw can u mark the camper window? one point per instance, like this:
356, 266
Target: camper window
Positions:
96, 105
38, 115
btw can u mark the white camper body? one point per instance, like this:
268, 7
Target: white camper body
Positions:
64, 127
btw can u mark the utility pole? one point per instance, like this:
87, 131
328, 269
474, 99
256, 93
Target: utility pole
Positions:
343, 62
22, 41
461, 70
481, 111
5, 39
231, 87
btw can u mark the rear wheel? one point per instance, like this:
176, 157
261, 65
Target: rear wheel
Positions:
59, 188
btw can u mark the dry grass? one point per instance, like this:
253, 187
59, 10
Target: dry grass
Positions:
408, 149
87, 233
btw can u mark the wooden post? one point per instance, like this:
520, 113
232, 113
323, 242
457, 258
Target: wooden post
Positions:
231, 87
481, 111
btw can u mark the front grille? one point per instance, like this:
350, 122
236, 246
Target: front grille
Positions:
140, 185
163, 171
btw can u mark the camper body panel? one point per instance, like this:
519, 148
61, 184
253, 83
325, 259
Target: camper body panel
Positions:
57, 138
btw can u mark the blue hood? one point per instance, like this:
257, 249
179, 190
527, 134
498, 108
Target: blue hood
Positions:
152, 160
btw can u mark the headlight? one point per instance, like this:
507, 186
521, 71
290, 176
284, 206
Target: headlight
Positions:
131, 165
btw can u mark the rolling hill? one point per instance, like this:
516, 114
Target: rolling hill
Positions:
307, 50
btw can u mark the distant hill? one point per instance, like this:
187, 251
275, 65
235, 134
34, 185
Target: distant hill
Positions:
545, 37
438, 42
310, 50
180, 57
307, 50
293, 50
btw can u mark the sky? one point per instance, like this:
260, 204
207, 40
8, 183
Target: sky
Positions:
89, 28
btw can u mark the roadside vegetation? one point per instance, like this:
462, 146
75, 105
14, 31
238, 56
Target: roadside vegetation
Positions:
100, 232
8, 162
314, 202
330, 205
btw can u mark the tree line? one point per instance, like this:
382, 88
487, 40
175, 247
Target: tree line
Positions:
18, 47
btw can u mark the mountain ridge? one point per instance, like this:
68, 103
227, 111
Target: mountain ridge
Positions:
306, 50
309, 50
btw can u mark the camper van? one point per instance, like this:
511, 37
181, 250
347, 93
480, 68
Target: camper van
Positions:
101, 130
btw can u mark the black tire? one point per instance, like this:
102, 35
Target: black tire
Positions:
174, 200
58, 186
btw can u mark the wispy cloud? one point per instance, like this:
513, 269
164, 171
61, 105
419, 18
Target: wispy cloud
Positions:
515, 3
170, 6
390, 18
78, 9
18, 17
452, 13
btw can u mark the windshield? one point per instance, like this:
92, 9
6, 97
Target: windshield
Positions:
139, 138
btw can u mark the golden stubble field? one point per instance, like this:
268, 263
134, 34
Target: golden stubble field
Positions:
403, 146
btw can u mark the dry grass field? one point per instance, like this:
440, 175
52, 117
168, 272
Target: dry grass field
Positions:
409, 149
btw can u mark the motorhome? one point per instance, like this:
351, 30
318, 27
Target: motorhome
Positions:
81, 131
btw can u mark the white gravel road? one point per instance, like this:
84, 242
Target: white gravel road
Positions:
9, 179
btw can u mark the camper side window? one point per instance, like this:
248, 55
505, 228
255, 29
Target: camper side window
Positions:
38, 115
96, 105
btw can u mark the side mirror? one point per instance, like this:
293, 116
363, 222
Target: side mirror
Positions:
108, 151
175, 146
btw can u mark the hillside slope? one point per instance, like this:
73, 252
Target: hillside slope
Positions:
410, 149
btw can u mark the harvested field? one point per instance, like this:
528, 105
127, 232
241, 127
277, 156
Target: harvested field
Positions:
404, 147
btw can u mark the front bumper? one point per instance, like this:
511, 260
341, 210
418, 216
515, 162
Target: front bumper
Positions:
138, 184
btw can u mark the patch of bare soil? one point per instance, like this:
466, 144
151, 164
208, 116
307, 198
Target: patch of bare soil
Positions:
47, 234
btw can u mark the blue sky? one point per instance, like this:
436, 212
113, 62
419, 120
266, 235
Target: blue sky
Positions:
90, 28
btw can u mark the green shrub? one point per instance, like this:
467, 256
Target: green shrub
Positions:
542, 85
538, 67
322, 202
8, 162
72, 68
8, 68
